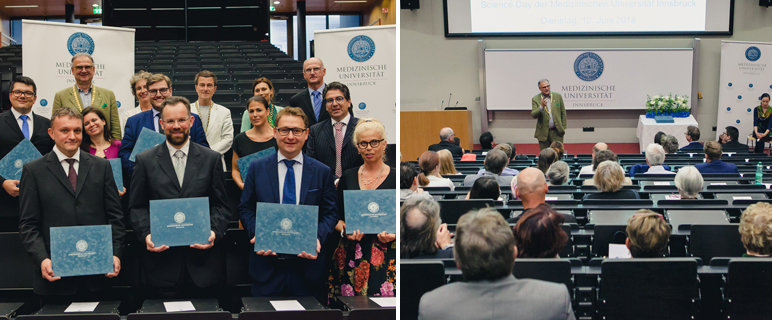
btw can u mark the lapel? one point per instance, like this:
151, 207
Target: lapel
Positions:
352, 123
98, 100
147, 121
74, 98
191, 167
273, 169
309, 109
305, 180
83, 170
212, 118
56, 169
37, 126
165, 161
328, 134
11, 122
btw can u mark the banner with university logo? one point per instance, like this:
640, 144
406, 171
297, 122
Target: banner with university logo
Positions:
365, 60
744, 77
588, 79
47, 53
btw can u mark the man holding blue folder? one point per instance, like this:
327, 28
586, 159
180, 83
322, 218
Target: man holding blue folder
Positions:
289, 177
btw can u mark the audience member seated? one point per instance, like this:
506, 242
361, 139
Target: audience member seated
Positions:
693, 137
713, 163
429, 162
457, 141
487, 140
495, 162
729, 141
446, 163
508, 151
559, 149
485, 252
539, 233
655, 157
609, 178
514, 155
530, 187
756, 230
422, 233
558, 173
408, 183
647, 234
547, 157
688, 180
600, 157
486, 187
446, 142
658, 137
600, 146
670, 144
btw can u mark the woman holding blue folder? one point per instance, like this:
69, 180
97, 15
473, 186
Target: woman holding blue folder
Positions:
365, 265
256, 139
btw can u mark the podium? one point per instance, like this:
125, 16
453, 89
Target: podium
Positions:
420, 129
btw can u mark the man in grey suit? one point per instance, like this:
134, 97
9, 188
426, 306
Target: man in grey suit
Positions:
485, 251
311, 99
495, 162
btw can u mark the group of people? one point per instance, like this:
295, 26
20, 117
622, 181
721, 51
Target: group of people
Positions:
321, 150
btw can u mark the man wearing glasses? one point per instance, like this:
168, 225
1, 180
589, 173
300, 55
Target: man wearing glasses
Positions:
312, 100
216, 119
160, 87
329, 141
550, 113
289, 177
85, 94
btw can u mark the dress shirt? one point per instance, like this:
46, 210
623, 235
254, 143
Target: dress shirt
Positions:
65, 165
549, 104
297, 167
85, 96
185, 148
156, 113
17, 114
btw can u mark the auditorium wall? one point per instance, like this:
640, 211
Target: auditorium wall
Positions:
433, 66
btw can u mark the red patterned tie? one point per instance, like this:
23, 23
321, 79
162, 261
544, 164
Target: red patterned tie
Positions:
72, 175
338, 147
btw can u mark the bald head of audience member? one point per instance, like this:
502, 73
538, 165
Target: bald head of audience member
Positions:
600, 146
446, 134
419, 222
531, 187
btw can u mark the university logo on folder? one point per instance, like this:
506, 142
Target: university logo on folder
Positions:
115, 164
82, 250
370, 211
12, 163
244, 162
147, 139
180, 222
286, 228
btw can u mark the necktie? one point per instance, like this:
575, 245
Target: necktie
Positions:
155, 120
179, 165
72, 175
338, 148
25, 126
317, 104
288, 195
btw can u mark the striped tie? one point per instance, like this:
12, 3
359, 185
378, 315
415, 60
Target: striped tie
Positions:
338, 148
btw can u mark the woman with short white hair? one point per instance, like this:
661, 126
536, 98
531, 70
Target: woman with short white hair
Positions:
609, 178
688, 180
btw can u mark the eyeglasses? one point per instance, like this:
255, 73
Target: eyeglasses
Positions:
81, 68
310, 70
295, 131
157, 91
27, 94
336, 99
373, 144
542, 87
171, 122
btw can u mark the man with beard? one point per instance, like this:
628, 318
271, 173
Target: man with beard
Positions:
172, 170
160, 87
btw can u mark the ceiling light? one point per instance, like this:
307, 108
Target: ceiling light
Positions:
95, 5
350, 1
276, 2
24, 6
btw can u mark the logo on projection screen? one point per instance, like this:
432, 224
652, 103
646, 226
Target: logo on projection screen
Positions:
588, 66
80, 42
752, 53
361, 48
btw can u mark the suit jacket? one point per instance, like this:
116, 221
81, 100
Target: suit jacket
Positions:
219, 130
154, 179
104, 100
694, 145
732, 145
144, 119
317, 188
10, 136
303, 100
47, 200
716, 166
506, 298
558, 110
455, 150
321, 145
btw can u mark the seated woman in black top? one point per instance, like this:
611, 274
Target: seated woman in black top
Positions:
422, 233
257, 139
609, 178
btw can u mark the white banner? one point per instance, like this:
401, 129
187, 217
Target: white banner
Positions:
600, 79
364, 59
48, 49
743, 79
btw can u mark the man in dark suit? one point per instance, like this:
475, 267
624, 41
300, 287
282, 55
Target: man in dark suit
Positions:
693, 137
729, 141
329, 141
481, 235
67, 187
310, 100
176, 169
160, 88
18, 124
269, 180
713, 163
446, 142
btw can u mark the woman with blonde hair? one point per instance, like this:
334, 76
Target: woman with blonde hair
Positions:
609, 178
647, 234
446, 162
756, 230
429, 163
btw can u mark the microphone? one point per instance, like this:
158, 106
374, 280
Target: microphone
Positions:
451, 95
442, 104
456, 104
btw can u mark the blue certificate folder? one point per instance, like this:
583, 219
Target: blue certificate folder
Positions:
12, 163
243, 163
180, 222
370, 211
147, 139
82, 250
286, 228
115, 164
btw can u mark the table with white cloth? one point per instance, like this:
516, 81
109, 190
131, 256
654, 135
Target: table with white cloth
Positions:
648, 127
